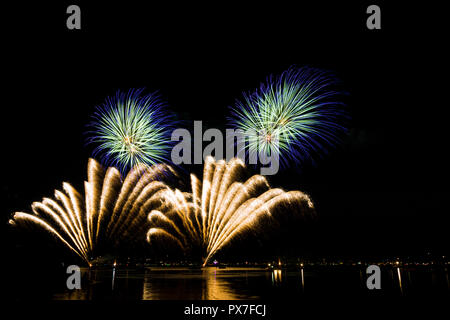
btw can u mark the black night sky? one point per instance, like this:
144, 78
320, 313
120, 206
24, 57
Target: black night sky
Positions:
383, 192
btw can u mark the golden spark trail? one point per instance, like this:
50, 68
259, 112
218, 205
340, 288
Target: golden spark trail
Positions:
111, 209
24, 218
221, 208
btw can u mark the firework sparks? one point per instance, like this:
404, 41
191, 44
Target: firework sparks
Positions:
297, 115
111, 210
130, 129
220, 208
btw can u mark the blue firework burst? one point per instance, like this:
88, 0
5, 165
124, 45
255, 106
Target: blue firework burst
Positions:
131, 128
299, 115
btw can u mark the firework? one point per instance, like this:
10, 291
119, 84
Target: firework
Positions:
129, 129
221, 208
112, 210
296, 115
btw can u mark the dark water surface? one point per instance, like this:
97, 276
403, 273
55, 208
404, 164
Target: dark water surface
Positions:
250, 283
